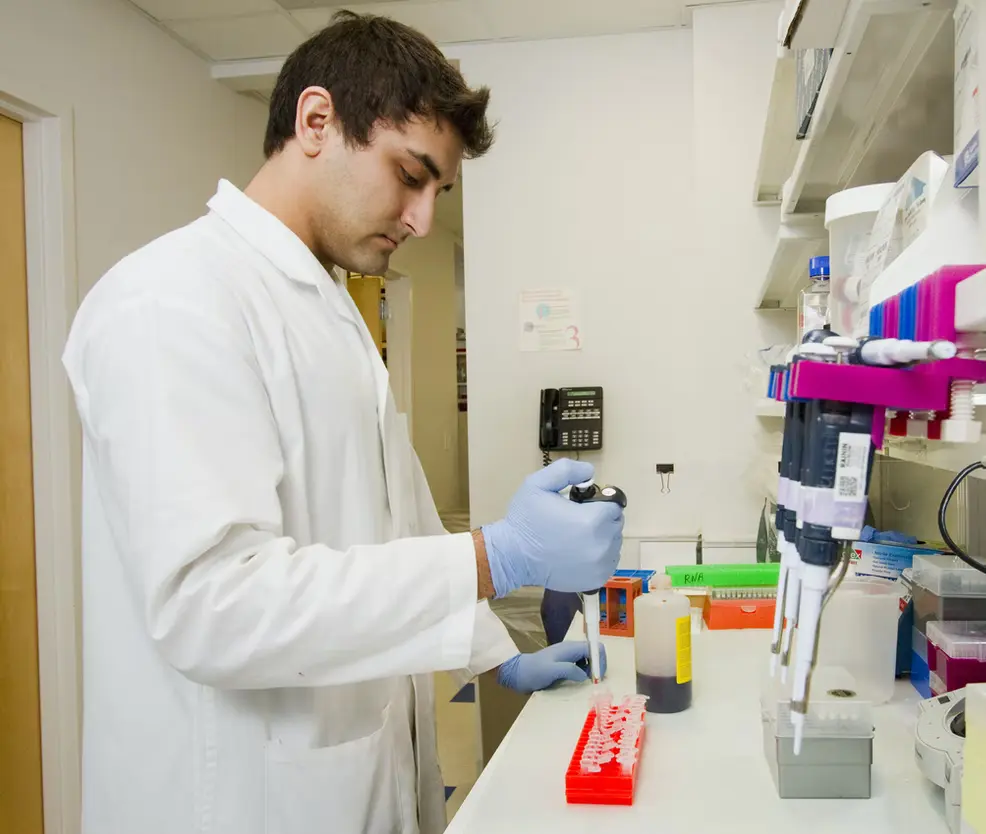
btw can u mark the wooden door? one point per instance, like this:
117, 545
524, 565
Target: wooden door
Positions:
20, 720
366, 294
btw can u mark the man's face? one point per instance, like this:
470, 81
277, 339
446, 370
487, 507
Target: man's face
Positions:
368, 201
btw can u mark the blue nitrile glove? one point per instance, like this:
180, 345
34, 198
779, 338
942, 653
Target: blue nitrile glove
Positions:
531, 672
871, 534
548, 541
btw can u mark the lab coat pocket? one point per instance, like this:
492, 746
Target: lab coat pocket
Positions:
349, 788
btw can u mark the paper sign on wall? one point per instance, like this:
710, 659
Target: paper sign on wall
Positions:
549, 320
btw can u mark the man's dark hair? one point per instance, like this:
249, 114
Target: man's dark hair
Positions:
376, 69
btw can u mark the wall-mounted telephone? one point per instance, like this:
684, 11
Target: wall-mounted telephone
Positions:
571, 419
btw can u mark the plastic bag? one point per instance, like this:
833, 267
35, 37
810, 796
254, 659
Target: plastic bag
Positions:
520, 612
767, 534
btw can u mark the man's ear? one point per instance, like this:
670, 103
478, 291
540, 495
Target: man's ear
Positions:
313, 120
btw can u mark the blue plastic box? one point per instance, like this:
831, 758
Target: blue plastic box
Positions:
644, 576
920, 674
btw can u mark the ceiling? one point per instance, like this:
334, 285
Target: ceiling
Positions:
236, 30
247, 40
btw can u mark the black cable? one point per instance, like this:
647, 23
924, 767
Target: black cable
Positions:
943, 529
545, 457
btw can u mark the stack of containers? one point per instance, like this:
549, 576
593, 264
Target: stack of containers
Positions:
956, 655
946, 590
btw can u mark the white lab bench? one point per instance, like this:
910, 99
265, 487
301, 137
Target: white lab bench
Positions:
702, 771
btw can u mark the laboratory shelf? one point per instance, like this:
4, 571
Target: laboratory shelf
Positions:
804, 24
886, 98
811, 24
950, 457
799, 238
767, 407
779, 148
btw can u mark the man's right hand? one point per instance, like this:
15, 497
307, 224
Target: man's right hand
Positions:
549, 541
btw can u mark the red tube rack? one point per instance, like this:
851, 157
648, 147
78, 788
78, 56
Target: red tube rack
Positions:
608, 787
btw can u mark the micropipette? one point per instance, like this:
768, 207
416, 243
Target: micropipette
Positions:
784, 497
835, 479
586, 493
787, 607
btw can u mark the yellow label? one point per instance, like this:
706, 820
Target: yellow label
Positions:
683, 627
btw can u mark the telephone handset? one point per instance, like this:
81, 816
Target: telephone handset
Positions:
549, 435
571, 419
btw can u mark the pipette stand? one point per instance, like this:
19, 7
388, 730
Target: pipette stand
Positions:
616, 599
923, 312
928, 397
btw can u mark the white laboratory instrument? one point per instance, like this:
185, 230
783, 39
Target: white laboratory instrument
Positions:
939, 740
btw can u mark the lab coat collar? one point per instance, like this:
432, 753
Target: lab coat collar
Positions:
286, 252
278, 244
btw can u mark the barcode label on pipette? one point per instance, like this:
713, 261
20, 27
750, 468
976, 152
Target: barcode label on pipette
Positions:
850, 473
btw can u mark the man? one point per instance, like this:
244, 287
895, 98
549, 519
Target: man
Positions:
267, 587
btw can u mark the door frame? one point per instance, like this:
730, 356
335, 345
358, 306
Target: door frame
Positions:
52, 288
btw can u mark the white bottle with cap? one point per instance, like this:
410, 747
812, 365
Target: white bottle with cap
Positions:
662, 643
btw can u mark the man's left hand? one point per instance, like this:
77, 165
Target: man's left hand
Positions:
539, 670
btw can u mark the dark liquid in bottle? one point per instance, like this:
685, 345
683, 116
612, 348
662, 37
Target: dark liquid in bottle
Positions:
664, 694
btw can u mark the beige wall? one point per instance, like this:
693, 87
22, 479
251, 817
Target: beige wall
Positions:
148, 135
430, 263
153, 132
613, 205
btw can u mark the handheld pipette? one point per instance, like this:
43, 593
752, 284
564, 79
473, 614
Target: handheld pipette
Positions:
586, 493
791, 565
837, 445
835, 478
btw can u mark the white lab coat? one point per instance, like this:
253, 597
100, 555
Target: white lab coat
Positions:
266, 583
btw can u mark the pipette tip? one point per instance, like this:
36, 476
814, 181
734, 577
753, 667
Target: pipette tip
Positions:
784, 674
773, 665
798, 720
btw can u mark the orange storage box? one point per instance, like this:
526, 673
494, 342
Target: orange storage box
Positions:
734, 608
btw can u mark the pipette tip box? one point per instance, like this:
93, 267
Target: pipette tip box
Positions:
738, 608
610, 786
836, 757
946, 588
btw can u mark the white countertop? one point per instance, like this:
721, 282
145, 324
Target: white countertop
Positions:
702, 770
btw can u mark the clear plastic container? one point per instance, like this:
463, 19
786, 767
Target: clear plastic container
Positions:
956, 655
662, 646
946, 589
849, 217
947, 575
813, 303
837, 708
859, 633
